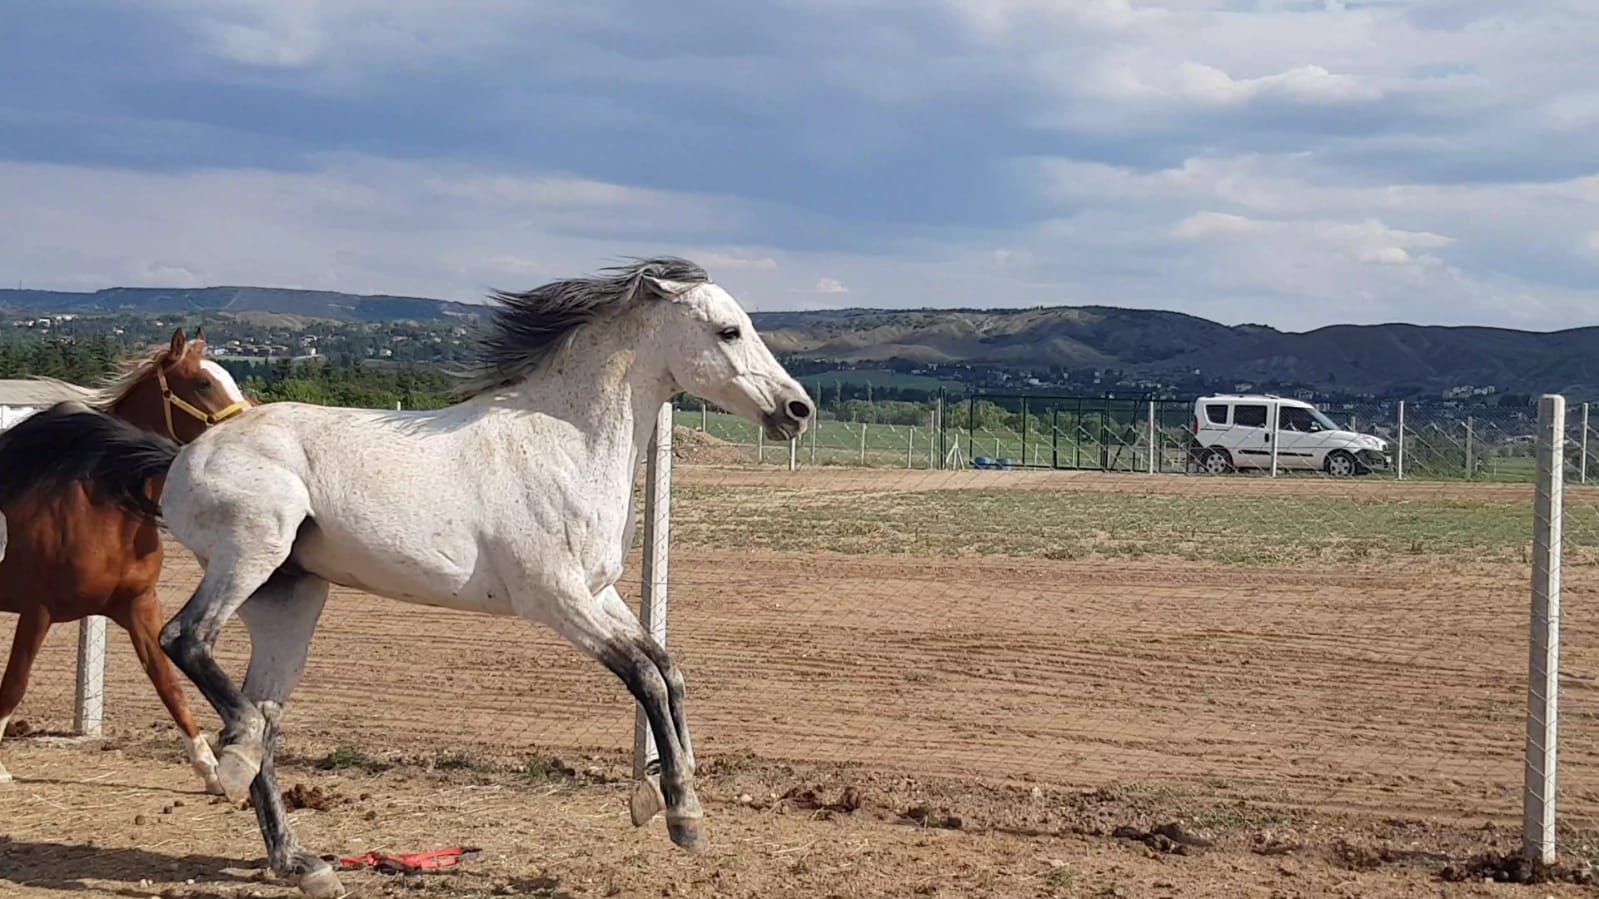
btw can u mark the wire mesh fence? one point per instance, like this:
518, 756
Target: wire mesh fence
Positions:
1257, 651
1436, 441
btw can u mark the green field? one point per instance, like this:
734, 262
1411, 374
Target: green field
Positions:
1065, 524
893, 446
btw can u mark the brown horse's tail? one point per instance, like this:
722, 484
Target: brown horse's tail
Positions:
71, 443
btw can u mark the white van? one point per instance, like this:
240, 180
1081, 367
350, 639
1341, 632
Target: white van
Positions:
1234, 432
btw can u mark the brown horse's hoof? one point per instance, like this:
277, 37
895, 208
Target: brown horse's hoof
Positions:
237, 767
646, 801
321, 884
687, 833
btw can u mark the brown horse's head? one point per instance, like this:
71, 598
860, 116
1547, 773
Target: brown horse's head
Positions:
175, 391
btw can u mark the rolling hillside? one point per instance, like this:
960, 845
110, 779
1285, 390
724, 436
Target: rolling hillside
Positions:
1374, 358
304, 303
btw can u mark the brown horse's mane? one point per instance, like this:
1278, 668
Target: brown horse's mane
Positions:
114, 387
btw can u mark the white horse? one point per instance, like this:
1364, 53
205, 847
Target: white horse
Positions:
517, 501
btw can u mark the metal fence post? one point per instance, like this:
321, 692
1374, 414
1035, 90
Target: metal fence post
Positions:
793, 453
1543, 668
815, 426
760, 445
652, 589
910, 447
1023, 459
1152, 432
1471, 470
1582, 473
88, 701
863, 443
1399, 458
1276, 421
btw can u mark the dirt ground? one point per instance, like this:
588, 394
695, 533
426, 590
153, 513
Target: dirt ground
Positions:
125, 821
939, 727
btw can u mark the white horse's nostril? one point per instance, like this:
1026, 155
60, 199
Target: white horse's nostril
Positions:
799, 410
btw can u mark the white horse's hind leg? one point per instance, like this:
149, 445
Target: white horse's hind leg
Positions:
281, 617
232, 574
605, 628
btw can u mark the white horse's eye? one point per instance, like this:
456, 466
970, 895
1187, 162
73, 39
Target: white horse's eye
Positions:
728, 334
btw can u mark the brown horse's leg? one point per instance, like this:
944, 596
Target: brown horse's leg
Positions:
143, 623
31, 628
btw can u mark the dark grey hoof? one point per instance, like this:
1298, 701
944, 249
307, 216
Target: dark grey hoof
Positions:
687, 833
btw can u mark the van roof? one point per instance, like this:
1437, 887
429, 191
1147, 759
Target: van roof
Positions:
1255, 398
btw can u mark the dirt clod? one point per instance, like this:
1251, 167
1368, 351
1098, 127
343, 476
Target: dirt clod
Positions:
1171, 838
315, 798
1509, 868
927, 816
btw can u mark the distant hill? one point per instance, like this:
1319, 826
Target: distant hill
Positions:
324, 304
1356, 358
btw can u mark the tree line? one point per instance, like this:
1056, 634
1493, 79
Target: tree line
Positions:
324, 381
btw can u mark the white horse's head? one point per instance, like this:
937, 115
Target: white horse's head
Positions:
715, 354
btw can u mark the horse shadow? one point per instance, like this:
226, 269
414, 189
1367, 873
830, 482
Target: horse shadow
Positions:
66, 867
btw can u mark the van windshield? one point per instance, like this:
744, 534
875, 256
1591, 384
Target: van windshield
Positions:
1323, 420
1298, 418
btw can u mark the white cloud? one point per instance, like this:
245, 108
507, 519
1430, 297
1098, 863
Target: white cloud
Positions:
295, 34
1204, 225
734, 262
831, 285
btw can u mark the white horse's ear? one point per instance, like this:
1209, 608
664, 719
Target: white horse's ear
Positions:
666, 289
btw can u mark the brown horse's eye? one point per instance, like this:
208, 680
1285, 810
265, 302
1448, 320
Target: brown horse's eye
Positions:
204, 385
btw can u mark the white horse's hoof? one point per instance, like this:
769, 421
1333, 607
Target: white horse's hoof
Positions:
236, 770
5, 776
322, 883
646, 801
687, 832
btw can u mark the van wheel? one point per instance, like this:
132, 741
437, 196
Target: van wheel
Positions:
1216, 461
1341, 465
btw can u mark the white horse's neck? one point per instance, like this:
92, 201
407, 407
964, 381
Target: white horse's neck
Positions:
607, 391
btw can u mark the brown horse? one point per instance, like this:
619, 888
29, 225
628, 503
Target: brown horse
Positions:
67, 553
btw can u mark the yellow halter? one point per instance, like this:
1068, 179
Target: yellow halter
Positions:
171, 400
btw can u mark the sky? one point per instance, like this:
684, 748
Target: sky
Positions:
1284, 162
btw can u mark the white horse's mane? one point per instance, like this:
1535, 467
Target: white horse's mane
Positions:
529, 326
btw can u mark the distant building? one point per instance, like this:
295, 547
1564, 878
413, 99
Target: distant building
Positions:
20, 398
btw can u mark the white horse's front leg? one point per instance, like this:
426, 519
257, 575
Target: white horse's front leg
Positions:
604, 627
619, 610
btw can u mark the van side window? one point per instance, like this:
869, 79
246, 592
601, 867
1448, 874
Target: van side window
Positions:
1293, 418
1249, 416
1216, 412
